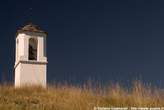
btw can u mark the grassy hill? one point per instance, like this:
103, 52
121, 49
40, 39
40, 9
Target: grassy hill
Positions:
66, 97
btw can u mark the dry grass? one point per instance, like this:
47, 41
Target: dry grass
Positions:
65, 97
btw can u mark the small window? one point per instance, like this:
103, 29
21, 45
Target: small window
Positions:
32, 49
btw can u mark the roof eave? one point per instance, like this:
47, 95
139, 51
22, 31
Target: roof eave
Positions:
25, 31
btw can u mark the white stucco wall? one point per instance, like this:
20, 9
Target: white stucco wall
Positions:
28, 74
17, 76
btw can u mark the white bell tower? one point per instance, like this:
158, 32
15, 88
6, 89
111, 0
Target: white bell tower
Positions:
30, 60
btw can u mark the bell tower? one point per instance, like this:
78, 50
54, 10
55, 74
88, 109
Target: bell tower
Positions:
30, 58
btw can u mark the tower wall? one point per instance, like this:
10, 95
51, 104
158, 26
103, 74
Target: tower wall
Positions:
30, 73
17, 75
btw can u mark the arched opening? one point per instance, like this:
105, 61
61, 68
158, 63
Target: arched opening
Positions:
32, 49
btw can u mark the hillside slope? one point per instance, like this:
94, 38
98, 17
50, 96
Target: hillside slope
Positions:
64, 97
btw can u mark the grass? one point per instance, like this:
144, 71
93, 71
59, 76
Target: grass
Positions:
67, 97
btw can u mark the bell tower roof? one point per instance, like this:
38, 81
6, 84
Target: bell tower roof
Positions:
30, 27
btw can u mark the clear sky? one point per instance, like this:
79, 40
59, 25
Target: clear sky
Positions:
105, 40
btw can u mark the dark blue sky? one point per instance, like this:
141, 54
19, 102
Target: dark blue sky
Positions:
105, 40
